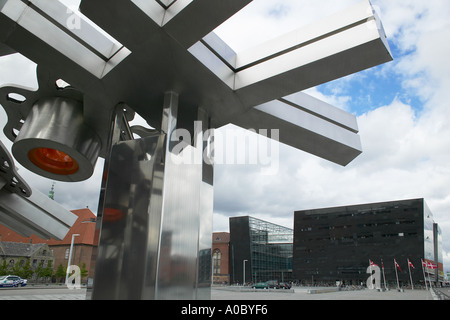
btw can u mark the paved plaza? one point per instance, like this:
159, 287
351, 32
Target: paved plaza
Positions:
42, 293
233, 293
302, 293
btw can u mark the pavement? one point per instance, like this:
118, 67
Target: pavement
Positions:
232, 294
42, 293
325, 293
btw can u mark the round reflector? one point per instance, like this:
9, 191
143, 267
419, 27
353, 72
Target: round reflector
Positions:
53, 161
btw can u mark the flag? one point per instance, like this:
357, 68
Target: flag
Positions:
396, 264
431, 265
410, 264
372, 264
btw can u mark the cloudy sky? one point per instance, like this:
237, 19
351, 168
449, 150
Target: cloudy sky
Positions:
402, 107
403, 113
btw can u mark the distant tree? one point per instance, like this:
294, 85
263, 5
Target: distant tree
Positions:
22, 269
4, 269
26, 271
83, 271
60, 273
44, 272
16, 268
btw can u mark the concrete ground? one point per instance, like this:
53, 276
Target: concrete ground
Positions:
42, 293
232, 293
302, 293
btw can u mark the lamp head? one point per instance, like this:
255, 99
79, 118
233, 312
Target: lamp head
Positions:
54, 141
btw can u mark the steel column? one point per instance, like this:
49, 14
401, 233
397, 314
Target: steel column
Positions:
155, 236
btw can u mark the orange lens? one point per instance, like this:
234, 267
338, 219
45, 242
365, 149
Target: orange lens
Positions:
54, 161
112, 215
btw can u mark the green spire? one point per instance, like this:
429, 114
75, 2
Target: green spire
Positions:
51, 193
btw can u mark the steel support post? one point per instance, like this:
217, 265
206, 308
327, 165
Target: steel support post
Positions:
156, 223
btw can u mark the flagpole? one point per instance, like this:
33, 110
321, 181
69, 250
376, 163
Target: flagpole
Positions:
424, 278
384, 277
371, 279
428, 272
429, 277
432, 266
396, 274
410, 277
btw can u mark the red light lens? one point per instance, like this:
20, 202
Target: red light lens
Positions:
54, 161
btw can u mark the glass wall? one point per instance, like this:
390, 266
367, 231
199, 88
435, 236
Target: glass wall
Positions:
260, 251
428, 242
270, 250
432, 246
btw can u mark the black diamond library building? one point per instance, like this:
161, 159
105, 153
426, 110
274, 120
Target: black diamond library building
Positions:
336, 244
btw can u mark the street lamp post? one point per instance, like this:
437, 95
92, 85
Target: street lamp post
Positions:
243, 273
70, 256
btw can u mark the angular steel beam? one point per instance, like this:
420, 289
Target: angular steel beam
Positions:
37, 214
10, 180
177, 17
5, 50
28, 211
342, 44
78, 40
310, 125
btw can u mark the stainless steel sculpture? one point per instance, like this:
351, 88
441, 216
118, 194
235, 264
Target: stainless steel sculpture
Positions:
155, 211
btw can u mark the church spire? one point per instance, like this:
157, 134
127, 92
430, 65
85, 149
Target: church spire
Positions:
51, 193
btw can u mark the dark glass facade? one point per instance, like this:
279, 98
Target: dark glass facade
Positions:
262, 249
335, 244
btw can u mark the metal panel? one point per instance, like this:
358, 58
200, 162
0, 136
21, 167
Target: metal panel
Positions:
323, 110
37, 214
85, 44
126, 262
177, 272
9, 178
177, 261
315, 133
5, 50
206, 208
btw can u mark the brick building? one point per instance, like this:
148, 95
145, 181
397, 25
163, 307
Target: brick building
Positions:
221, 257
14, 254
